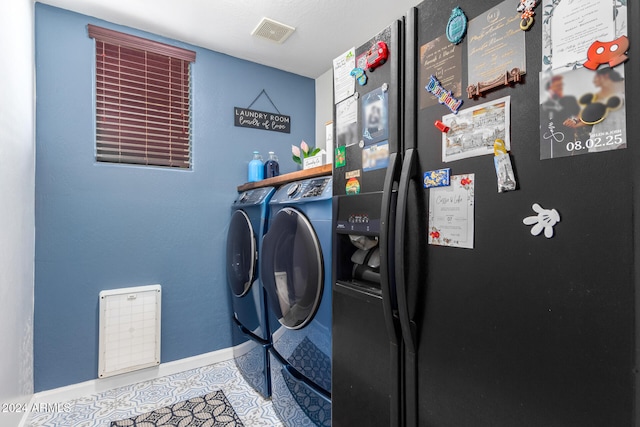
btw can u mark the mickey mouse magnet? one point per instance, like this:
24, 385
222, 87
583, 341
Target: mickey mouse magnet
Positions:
612, 53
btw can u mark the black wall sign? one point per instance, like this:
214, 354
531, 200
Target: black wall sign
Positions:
246, 118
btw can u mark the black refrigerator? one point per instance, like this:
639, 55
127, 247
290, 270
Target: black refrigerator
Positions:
517, 329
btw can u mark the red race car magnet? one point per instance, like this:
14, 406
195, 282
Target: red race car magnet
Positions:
377, 55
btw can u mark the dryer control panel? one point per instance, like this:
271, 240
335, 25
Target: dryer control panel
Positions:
310, 189
252, 197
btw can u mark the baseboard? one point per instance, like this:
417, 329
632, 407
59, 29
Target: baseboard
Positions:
86, 388
16, 417
25, 415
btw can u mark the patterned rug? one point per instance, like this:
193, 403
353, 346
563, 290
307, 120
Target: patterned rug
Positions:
211, 410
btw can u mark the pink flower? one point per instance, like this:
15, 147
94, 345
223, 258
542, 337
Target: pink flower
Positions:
304, 147
295, 151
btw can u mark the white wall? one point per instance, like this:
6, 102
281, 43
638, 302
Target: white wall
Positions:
17, 223
324, 106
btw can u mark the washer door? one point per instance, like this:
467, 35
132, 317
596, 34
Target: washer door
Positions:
241, 254
292, 270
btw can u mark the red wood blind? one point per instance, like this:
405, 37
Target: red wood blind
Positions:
143, 100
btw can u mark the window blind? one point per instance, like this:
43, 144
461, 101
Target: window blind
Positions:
143, 100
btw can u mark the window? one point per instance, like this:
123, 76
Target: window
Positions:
143, 100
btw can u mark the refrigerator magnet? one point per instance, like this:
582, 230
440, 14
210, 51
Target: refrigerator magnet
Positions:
504, 169
526, 9
445, 97
352, 187
341, 156
595, 112
359, 75
377, 55
352, 174
545, 220
437, 178
612, 53
456, 26
504, 173
441, 126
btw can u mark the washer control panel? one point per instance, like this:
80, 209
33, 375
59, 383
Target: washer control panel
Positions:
292, 189
315, 187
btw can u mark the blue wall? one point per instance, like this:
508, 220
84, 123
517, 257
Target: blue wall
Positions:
102, 226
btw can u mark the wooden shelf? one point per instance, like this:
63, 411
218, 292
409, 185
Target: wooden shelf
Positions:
289, 177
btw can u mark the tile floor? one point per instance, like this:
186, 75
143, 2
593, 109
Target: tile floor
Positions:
100, 409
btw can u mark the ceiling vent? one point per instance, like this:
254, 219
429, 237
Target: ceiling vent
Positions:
272, 30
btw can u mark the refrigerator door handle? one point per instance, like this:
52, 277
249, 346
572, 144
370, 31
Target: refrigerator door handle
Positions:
387, 266
407, 173
387, 217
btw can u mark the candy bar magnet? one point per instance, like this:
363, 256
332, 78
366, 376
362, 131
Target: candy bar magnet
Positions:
437, 178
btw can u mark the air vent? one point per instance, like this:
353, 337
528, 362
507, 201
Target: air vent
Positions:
129, 337
272, 30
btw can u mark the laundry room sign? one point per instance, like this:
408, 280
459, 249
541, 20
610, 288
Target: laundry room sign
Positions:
248, 118
243, 117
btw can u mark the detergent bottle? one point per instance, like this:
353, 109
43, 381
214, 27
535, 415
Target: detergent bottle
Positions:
256, 168
271, 166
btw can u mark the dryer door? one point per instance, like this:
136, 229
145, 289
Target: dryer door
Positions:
292, 270
241, 254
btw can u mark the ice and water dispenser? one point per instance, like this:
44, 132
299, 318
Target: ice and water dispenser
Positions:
357, 260
366, 259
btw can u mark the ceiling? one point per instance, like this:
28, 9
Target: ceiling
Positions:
324, 28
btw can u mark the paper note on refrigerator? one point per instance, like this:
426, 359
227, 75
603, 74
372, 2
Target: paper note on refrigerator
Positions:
343, 82
451, 213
